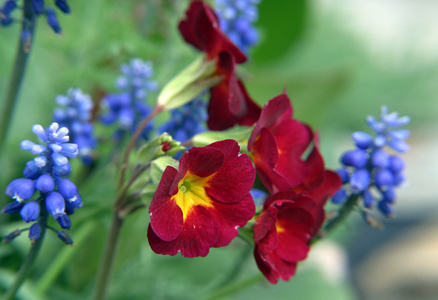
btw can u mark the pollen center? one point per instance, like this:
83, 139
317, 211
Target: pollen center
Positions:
191, 192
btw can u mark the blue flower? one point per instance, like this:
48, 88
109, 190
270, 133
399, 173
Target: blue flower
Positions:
236, 18
186, 121
57, 196
370, 171
128, 108
75, 113
38, 8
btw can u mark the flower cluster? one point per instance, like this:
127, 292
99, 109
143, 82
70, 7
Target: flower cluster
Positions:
370, 171
186, 121
38, 8
75, 114
299, 188
236, 20
57, 195
202, 204
128, 108
229, 103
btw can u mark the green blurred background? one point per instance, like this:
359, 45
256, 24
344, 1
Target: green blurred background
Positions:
338, 60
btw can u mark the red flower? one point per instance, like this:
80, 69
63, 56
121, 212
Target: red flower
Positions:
201, 29
277, 144
295, 212
202, 204
283, 232
230, 104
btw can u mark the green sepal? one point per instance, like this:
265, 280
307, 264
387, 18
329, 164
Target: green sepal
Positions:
240, 134
154, 148
196, 78
159, 165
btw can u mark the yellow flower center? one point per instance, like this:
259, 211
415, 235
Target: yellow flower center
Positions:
191, 192
279, 228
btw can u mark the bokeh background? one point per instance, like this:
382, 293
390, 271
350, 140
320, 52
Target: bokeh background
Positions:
340, 60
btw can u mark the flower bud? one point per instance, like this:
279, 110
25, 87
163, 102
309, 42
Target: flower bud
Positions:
65, 237
45, 183
21, 189
63, 6
385, 208
63, 221
30, 211
68, 189
396, 163
34, 232
368, 199
13, 207
383, 178
52, 20
357, 158
31, 171
339, 197
360, 180
11, 236
38, 6
380, 159
55, 204
343, 173
362, 140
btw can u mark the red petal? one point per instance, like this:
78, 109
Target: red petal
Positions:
201, 29
265, 223
263, 266
230, 103
166, 216
235, 178
201, 161
199, 234
231, 216
275, 111
272, 267
296, 233
315, 168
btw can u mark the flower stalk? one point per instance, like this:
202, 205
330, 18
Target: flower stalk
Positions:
31, 256
18, 71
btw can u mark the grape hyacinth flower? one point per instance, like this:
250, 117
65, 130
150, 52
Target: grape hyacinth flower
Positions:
44, 174
75, 113
128, 108
236, 19
371, 171
37, 8
186, 121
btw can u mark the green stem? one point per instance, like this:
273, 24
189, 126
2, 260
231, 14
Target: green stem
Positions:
343, 213
134, 138
31, 256
233, 287
18, 72
237, 266
108, 258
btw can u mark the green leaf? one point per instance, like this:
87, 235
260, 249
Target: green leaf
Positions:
238, 133
159, 165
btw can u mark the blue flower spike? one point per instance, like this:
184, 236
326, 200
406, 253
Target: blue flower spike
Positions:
44, 174
75, 112
128, 107
236, 19
374, 169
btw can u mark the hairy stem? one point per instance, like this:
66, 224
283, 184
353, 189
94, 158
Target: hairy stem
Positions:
18, 72
134, 138
107, 261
